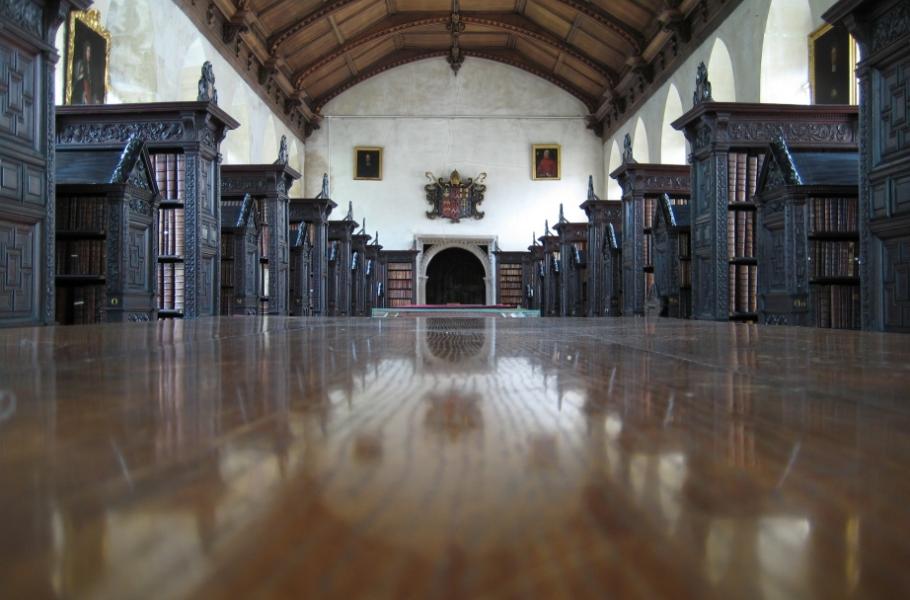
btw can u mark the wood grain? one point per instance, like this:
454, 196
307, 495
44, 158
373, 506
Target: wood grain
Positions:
453, 458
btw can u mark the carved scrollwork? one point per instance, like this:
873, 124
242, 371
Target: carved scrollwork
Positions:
101, 133
891, 27
765, 131
24, 13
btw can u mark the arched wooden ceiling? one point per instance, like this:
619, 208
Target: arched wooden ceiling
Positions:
309, 51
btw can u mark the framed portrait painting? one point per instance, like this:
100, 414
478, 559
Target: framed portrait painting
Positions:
832, 66
88, 51
546, 162
368, 163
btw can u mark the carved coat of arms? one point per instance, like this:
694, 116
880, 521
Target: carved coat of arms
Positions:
455, 199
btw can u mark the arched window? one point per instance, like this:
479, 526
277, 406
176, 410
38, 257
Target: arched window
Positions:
614, 192
720, 72
672, 142
785, 54
641, 149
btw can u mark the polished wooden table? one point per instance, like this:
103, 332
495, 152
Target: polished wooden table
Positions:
453, 458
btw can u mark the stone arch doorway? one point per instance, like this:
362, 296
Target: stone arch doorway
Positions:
455, 276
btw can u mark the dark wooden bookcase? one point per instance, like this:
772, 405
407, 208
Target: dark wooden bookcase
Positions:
573, 282
375, 275
241, 235
106, 203
27, 63
401, 272
535, 276
600, 214
728, 142
808, 238
338, 290
183, 141
510, 278
551, 265
673, 258
642, 186
613, 270
360, 290
309, 255
268, 185
880, 28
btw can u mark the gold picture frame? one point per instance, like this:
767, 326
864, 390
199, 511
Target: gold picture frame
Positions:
827, 66
546, 162
368, 163
88, 59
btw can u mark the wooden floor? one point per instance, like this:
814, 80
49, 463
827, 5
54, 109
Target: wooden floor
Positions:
453, 458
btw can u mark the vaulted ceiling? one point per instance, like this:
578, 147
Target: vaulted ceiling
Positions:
607, 53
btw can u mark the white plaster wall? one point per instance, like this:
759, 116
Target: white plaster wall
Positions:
484, 120
156, 56
744, 35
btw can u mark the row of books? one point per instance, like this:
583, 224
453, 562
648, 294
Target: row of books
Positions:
81, 213
81, 257
832, 259
170, 286
510, 284
832, 215
836, 306
170, 175
399, 284
685, 245
743, 287
650, 208
740, 234
171, 232
649, 283
80, 305
264, 241
647, 248
742, 176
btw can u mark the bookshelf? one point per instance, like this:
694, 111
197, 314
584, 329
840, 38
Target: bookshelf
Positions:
729, 141
535, 276
672, 258
300, 237
642, 186
308, 282
268, 185
189, 226
879, 26
338, 290
551, 267
401, 266
510, 277
27, 63
809, 238
573, 282
600, 214
240, 252
612, 254
105, 235
376, 275
360, 290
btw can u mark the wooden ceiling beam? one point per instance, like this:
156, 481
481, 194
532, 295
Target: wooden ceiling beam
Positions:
608, 20
505, 56
508, 22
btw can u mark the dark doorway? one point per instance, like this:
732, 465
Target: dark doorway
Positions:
455, 276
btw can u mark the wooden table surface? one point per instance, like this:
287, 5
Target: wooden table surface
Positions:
453, 458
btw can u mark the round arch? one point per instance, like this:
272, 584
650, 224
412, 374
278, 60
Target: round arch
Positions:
784, 59
614, 192
641, 149
672, 142
441, 244
455, 275
720, 72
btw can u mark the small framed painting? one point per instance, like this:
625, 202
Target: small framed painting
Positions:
546, 162
368, 163
88, 53
832, 66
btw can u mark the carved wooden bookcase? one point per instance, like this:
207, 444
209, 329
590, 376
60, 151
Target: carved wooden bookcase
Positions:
401, 277
360, 290
642, 186
534, 277
240, 244
511, 278
808, 238
612, 256
728, 142
375, 275
106, 203
309, 256
573, 283
27, 63
183, 140
673, 259
882, 30
338, 291
269, 186
552, 271
600, 214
